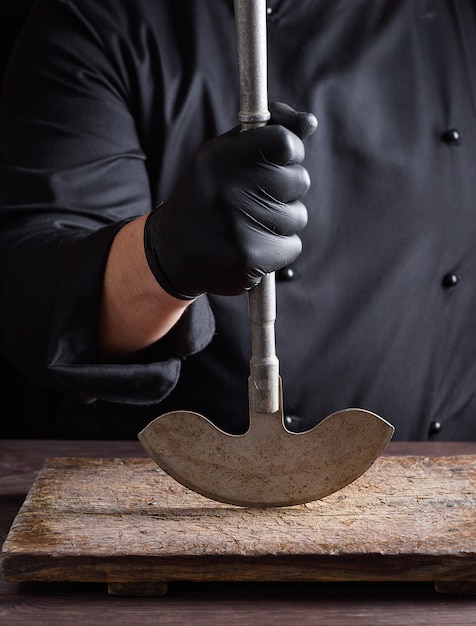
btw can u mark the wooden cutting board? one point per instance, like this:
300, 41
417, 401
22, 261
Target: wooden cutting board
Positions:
126, 523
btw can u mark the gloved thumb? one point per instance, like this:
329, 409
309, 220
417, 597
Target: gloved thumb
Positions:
300, 123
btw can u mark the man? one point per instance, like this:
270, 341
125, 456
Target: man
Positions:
126, 254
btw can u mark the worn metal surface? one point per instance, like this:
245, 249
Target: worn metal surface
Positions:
250, 23
268, 466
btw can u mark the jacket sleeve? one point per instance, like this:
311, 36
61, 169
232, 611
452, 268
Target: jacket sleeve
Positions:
72, 173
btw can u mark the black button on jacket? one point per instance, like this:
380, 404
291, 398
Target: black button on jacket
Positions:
104, 103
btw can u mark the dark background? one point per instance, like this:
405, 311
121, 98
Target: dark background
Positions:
11, 19
22, 399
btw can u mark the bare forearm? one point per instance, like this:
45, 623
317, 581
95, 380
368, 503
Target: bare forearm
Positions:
135, 311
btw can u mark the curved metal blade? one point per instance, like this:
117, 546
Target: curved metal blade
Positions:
267, 466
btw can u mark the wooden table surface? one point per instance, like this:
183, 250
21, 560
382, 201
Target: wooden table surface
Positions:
210, 603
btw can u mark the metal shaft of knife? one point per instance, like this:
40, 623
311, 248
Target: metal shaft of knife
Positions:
250, 19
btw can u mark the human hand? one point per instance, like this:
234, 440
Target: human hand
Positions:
236, 212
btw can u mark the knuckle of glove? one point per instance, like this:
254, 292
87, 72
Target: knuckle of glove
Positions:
270, 182
272, 144
295, 183
287, 148
281, 219
274, 253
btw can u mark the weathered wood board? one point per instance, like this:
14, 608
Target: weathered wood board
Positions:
125, 522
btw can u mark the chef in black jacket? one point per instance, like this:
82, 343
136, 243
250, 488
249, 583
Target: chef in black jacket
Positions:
133, 216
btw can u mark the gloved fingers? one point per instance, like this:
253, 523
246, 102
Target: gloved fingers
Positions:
301, 123
264, 259
245, 269
286, 219
281, 183
275, 144
276, 218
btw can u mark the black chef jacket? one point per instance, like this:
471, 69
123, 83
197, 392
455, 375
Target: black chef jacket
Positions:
102, 107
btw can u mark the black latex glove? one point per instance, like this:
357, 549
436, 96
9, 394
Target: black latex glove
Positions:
235, 213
